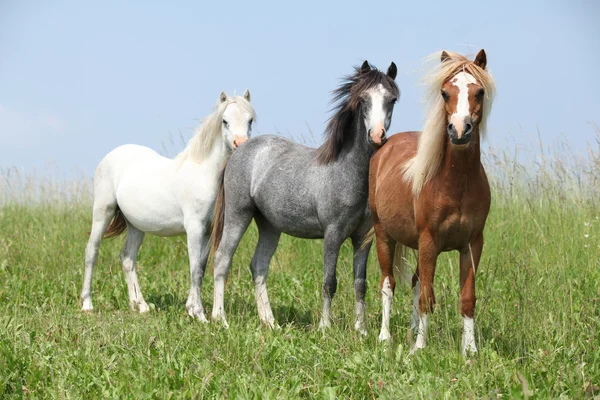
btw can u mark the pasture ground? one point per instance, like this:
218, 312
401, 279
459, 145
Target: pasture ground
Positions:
537, 317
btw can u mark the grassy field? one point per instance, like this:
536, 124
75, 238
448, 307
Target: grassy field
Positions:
537, 318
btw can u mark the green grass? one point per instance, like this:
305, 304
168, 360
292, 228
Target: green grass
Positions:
537, 317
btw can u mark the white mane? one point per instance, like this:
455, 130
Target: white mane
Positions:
430, 150
201, 144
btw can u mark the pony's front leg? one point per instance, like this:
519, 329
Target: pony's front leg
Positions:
361, 255
198, 249
385, 253
333, 242
469, 261
428, 254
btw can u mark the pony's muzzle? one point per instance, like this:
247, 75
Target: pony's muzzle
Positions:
462, 134
377, 135
238, 141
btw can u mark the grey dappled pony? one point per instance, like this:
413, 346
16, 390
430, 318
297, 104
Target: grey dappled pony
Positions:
306, 192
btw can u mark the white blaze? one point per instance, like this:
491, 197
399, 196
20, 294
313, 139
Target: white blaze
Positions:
377, 112
462, 81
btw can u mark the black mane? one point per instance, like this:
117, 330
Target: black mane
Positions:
348, 98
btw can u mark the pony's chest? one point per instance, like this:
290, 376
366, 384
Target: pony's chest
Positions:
457, 219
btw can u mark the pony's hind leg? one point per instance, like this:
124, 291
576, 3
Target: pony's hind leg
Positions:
198, 249
102, 214
233, 229
469, 261
332, 243
385, 253
361, 255
268, 239
133, 241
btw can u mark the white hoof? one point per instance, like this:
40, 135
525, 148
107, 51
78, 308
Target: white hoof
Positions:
197, 312
87, 305
359, 326
270, 323
323, 325
220, 318
468, 348
143, 307
384, 336
416, 348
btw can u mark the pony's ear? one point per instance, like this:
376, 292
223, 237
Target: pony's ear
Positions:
365, 67
481, 59
223, 97
247, 95
444, 56
392, 71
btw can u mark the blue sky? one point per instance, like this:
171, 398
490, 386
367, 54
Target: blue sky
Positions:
78, 79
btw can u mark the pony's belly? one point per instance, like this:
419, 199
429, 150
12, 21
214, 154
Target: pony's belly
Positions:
173, 227
156, 222
150, 206
301, 225
405, 233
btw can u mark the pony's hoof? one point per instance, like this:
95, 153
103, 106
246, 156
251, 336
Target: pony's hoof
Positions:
360, 328
143, 307
415, 349
469, 349
220, 319
384, 337
271, 324
323, 325
197, 312
86, 305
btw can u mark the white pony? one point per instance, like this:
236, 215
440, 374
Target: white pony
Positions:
142, 191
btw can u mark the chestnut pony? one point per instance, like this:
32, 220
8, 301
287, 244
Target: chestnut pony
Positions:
428, 191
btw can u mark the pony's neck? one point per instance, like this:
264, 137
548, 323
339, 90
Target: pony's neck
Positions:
219, 153
359, 150
216, 155
462, 161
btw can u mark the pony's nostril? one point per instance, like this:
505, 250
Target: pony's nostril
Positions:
235, 144
450, 127
468, 127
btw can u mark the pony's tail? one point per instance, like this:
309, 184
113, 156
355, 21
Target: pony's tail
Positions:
402, 270
218, 215
368, 238
117, 225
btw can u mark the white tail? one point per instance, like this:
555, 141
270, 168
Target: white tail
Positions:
402, 270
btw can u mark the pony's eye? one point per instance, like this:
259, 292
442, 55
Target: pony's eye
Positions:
251, 121
445, 96
480, 92
225, 123
394, 100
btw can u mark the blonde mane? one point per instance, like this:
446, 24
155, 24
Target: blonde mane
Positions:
430, 150
201, 144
